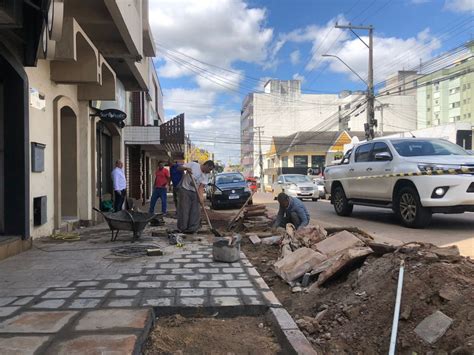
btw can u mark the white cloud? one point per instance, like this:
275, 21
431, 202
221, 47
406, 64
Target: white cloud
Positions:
193, 102
295, 57
219, 32
298, 76
460, 5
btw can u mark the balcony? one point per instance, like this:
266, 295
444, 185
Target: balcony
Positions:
172, 135
142, 135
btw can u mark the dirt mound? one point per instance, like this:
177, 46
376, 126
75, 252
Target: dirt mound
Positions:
353, 314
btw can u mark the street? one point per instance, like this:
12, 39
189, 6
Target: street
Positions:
444, 230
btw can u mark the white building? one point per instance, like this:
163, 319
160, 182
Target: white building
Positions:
280, 111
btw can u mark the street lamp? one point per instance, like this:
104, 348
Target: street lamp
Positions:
343, 62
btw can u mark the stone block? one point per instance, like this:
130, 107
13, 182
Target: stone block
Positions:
178, 284
169, 266
37, 322
126, 293
194, 265
204, 260
113, 318
226, 301
210, 284
96, 344
182, 260
255, 239
296, 264
23, 301
158, 302
155, 284
232, 270
21, 345
209, 271
51, 304
138, 278
224, 292
156, 271
93, 293
191, 301
271, 299
253, 301
6, 311
337, 243
85, 303
194, 277
182, 272
6, 300
222, 277
249, 291
116, 285
166, 277
87, 283
433, 327
58, 294
191, 292
285, 321
299, 343
151, 293
121, 302
238, 283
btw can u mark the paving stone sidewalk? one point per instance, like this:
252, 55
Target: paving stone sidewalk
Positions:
48, 293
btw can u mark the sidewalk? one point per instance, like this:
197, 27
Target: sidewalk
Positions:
61, 296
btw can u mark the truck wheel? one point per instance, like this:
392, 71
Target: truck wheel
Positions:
341, 204
409, 209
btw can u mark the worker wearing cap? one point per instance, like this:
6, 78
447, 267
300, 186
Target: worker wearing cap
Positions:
291, 210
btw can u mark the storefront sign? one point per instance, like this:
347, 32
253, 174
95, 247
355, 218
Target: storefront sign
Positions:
111, 115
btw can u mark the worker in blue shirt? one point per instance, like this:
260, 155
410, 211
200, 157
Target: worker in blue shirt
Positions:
176, 176
291, 210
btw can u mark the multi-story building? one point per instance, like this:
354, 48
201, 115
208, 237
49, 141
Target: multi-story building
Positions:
447, 95
62, 62
282, 109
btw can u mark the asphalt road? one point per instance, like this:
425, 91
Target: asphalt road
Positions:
444, 230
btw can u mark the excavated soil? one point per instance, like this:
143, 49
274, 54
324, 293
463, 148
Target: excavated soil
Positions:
240, 335
356, 310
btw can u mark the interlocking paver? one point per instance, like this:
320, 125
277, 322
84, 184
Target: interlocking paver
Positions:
21, 344
151, 284
126, 293
166, 277
238, 283
249, 291
212, 284
93, 293
87, 283
121, 302
51, 304
169, 266
182, 271
6, 311
194, 265
224, 292
58, 294
191, 301
209, 271
232, 270
158, 302
226, 301
23, 301
113, 318
194, 277
85, 303
6, 300
177, 284
116, 285
222, 277
37, 322
156, 271
90, 344
138, 278
191, 292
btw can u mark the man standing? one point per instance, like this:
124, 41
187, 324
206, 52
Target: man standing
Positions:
176, 176
120, 185
291, 210
160, 188
189, 215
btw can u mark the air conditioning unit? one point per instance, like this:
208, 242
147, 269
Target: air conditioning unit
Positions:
11, 13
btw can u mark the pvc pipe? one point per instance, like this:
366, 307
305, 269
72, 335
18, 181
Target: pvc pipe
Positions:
396, 313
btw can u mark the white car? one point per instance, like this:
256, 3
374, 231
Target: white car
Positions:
319, 183
296, 185
414, 176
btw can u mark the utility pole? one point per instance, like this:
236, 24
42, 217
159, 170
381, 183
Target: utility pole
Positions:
380, 108
369, 126
260, 156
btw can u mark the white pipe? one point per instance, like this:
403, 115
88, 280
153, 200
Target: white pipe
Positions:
396, 312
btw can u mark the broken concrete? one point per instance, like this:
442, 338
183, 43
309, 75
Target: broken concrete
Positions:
254, 239
298, 263
344, 261
433, 327
448, 293
271, 240
338, 243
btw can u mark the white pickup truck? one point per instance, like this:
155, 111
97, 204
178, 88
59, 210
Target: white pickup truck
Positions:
415, 177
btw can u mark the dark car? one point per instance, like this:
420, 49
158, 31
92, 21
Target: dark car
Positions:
228, 189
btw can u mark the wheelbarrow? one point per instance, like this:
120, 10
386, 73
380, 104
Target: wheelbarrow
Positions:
126, 221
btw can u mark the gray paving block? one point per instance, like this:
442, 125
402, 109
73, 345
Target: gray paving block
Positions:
158, 302
433, 327
253, 272
93, 293
6, 311
126, 293
149, 284
191, 292
157, 271
157, 293
7, 300
191, 301
121, 302
224, 292
166, 277
299, 343
204, 260
253, 300
182, 260
82, 303
87, 283
23, 301
210, 284
222, 277
177, 284
138, 278
226, 301
195, 256
194, 277
233, 270
182, 272
50, 304
107, 277
241, 276
169, 265
194, 265
285, 321
249, 291
238, 283
116, 285
209, 271
58, 294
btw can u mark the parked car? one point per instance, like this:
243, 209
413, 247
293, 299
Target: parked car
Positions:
296, 185
228, 189
252, 183
319, 182
401, 174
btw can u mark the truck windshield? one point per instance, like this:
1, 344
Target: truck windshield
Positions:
418, 148
229, 179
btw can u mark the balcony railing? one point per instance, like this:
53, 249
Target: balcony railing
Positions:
172, 134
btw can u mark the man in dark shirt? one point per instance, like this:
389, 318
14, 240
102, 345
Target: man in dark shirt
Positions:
176, 176
291, 210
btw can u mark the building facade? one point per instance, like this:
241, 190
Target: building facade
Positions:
56, 153
282, 109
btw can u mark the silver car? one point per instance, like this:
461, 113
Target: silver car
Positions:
319, 182
296, 185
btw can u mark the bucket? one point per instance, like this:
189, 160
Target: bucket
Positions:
223, 252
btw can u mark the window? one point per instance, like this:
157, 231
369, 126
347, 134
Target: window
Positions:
284, 162
455, 104
428, 109
347, 157
436, 102
454, 90
301, 161
469, 115
380, 147
363, 153
229, 179
280, 179
418, 148
317, 161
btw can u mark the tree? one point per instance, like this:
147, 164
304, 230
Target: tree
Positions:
197, 154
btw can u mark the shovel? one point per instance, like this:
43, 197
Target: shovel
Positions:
214, 231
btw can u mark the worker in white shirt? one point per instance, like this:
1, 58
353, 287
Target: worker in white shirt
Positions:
120, 185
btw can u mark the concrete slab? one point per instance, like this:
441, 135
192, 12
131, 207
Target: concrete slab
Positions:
37, 322
433, 327
51, 304
85, 303
337, 243
6, 311
6, 300
26, 345
96, 345
113, 318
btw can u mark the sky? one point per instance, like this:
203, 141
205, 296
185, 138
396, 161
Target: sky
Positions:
212, 53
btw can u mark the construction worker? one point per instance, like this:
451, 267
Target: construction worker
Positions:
291, 210
189, 215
